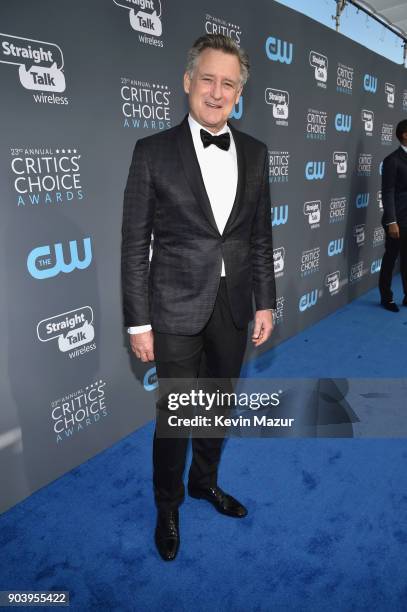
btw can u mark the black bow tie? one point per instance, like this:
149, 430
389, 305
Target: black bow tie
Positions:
222, 141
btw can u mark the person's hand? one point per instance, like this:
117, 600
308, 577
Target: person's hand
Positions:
263, 327
142, 345
393, 230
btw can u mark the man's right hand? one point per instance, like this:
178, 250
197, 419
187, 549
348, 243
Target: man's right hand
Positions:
142, 345
393, 230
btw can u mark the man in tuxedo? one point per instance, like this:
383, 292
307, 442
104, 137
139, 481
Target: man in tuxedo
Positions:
394, 197
202, 189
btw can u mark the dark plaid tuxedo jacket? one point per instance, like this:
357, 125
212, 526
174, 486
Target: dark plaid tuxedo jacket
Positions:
394, 188
165, 194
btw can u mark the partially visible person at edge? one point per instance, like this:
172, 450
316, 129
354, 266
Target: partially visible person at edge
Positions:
394, 198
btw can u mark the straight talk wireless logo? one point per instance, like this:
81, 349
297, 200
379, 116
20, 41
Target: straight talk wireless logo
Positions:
40, 66
146, 18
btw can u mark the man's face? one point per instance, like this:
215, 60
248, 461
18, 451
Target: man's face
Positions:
214, 88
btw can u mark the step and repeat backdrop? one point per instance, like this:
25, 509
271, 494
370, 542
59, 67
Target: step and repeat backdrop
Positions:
81, 81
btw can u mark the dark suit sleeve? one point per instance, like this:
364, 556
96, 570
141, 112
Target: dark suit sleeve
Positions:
389, 189
138, 215
262, 247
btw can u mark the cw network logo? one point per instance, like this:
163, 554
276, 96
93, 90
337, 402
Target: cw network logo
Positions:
41, 264
362, 200
376, 265
279, 50
308, 300
335, 247
237, 112
150, 381
343, 123
279, 215
370, 83
314, 170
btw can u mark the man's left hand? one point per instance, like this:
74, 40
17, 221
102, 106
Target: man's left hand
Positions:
263, 327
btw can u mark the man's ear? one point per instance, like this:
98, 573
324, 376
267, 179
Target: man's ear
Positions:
187, 82
238, 94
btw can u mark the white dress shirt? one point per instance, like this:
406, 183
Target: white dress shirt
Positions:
219, 173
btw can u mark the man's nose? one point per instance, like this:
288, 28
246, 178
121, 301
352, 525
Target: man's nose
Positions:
216, 91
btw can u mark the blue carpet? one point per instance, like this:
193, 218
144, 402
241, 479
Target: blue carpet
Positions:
327, 524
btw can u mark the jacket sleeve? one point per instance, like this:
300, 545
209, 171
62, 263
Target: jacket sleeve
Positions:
138, 215
389, 189
264, 286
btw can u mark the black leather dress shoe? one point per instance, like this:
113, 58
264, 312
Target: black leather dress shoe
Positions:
224, 503
167, 535
392, 306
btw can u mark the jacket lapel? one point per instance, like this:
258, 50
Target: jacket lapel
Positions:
193, 171
241, 178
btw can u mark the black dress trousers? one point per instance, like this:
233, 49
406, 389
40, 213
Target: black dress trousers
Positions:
216, 352
393, 248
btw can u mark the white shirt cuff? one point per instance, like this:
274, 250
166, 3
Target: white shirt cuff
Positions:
139, 329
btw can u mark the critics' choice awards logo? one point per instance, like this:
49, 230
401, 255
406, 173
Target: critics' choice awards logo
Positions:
356, 272
390, 93
344, 79
316, 121
368, 121
364, 167
343, 123
312, 211
278, 50
387, 134
278, 166
279, 215
145, 17
375, 266
279, 101
359, 234
145, 105
319, 63
310, 261
71, 330
337, 210
39, 64
218, 25
279, 312
308, 300
278, 257
48, 261
46, 176
335, 247
340, 161
78, 410
332, 281
370, 83
378, 236
315, 170
404, 100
